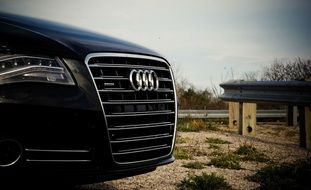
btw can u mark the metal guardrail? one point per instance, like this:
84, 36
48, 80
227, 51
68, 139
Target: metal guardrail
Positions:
296, 93
217, 114
288, 92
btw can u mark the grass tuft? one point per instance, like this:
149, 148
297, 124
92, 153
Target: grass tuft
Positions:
227, 160
217, 153
250, 153
204, 182
193, 165
191, 125
182, 153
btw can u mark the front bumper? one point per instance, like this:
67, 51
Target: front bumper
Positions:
62, 131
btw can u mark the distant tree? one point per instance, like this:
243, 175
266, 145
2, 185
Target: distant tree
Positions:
250, 76
194, 99
292, 70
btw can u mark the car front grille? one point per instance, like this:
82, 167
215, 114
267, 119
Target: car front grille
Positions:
141, 124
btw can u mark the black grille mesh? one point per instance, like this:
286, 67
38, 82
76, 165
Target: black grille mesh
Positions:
140, 123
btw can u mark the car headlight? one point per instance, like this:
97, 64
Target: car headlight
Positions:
24, 68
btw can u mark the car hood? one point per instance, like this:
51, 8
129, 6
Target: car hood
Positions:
26, 34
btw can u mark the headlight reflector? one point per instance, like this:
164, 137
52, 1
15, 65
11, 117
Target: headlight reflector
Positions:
24, 68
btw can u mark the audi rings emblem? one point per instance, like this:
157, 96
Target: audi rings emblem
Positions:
144, 80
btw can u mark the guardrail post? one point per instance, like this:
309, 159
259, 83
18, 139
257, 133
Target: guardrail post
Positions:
240, 118
234, 114
290, 115
248, 123
302, 128
308, 127
295, 116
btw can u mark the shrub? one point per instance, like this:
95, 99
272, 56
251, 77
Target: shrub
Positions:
228, 160
204, 182
285, 176
250, 153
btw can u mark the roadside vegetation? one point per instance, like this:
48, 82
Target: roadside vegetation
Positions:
191, 125
284, 176
231, 160
226, 160
194, 165
197, 125
217, 141
204, 182
250, 153
182, 153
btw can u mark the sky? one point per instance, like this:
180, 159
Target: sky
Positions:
206, 41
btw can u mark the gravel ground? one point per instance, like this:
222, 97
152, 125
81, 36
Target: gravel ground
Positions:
279, 143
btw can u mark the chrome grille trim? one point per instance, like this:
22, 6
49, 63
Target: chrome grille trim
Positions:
123, 90
128, 66
140, 151
171, 90
142, 125
110, 78
138, 114
142, 138
136, 127
59, 155
66, 161
44, 150
116, 102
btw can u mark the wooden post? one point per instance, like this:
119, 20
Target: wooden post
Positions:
290, 114
248, 119
308, 127
295, 116
302, 128
233, 114
240, 118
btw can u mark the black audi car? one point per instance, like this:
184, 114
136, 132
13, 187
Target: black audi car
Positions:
81, 105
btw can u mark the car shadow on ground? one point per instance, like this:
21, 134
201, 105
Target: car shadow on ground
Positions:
97, 186
17, 185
